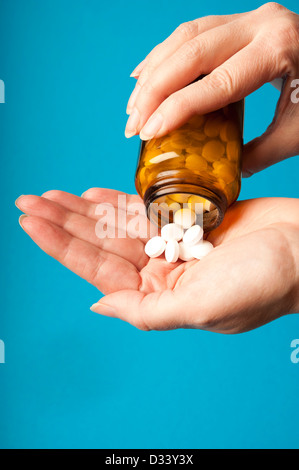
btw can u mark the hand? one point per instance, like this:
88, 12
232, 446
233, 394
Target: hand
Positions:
238, 53
250, 278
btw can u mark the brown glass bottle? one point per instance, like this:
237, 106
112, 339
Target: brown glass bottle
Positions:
201, 159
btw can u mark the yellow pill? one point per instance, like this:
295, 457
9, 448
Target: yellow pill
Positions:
226, 172
233, 150
213, 125
196, 204
144, 175
197, 120
172, 205
213, 150
196, 162
166, 144
197, 149
197, 135
179, 197
229, 131
173, 163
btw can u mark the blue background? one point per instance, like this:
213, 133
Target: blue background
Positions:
73, 378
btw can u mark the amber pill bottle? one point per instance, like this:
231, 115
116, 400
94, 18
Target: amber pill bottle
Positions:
199, 162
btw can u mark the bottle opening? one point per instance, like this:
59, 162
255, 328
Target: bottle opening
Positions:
208, 207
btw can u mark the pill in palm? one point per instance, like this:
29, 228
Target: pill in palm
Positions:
155, 247
185, 252
172, 251
185, 217
193, 235
201, 249
172, 232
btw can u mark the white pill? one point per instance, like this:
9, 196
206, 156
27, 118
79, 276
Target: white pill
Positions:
208, 206
185, 252
172, 251
155, 247
172, 232
193, 235
201, 249
173, 206
185, 217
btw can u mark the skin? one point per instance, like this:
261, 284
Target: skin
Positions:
238, 53
252, 276
257, 244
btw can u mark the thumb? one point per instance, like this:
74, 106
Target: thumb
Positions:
281, 139
163, 310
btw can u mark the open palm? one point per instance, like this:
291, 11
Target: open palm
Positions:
249, 279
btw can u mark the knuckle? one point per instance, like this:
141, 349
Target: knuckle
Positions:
272, 7
53, 193
146, 73
175, 102
149, 88
153, 57
224, 80
190, 50
287, 31
187, 29
283, 42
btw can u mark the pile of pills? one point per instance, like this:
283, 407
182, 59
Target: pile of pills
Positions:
209, 145
180, 239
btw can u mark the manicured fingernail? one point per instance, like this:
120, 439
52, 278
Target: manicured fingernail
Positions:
16, 201
132, 98
132, 124
151, 127
21, 218
103, 309
137, 70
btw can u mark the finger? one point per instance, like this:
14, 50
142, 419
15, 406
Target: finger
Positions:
112, 196
88, 202
73, 203
133, 205
237, 77
185, 32
156, 311
196, 57
86, 229
128, 208
136, 72
106, 271
207, 298
280, 141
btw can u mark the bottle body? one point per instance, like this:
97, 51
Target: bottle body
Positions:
200, 161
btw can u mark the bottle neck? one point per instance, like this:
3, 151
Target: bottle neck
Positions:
158, 193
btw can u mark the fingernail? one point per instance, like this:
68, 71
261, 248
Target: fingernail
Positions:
151, 127
137, 70
83, 194
132, 124
103, 309
16, 201
132, 98
21, 218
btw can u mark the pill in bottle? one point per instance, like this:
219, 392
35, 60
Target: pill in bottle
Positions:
196, 165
